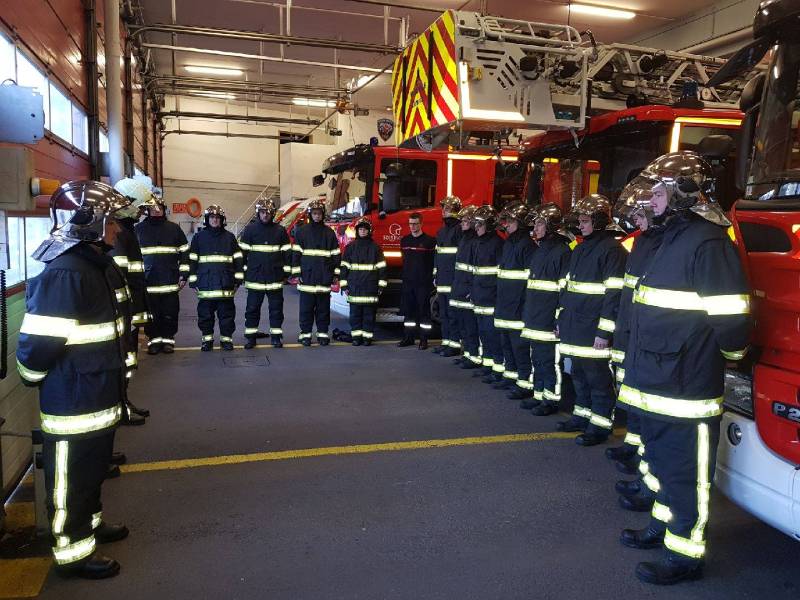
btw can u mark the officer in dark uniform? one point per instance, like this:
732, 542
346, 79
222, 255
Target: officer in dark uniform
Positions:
363, 279
690, 314
316, 260
444, 271
512, 276
546, 269
462, 287
216, 270
166, 269
486, 251
419, 251
588, 310
73, 344
268, 258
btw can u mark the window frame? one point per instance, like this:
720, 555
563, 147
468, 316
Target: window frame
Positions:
18, 286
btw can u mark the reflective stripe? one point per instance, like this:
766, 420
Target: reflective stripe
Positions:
726, 304
262, 287
304, 336
322, 335
543, 285
215, 258
225, 338
661, 513
250, 330
356, 333
614, 283
504, 324
68, 328
238, 254
238, 275
585, 351
684, 546
538, 395
275, 331
461, 304
296, 270
606, 325
362, 299
97, 332
29, 374
426, 326
446, 249
618, 356
97, 519
673, 407
60, 485
498, 368
122, 261
70, 553
620, 375
121, 294
130, 359
343, 283
382, 283
512, 274
651, 482
146, 250
265, 248
697, 543
314, 289
192, 278
511, 375
483, 310
208, 338
409, 324
580, 287
47, 326
183, 248
555, 394
140, 318
487, 362
485, 270
539, 335
76, 424
315, 252
135, 266
464, 267
524, 384
581, 411
363, 266
630, 281
155, 340
444, 289
203, 294
735, 354
192, 256
163, 289
600, 421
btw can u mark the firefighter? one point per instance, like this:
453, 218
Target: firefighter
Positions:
363, 279
512, 275
216, 269
462, 287
166, 264
547, 267
690, 314
486, 252
316, 261
73, 345
267, 256
418, 250
588, 307
447, 239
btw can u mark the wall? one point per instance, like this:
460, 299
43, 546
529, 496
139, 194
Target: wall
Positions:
299, 163
358, 130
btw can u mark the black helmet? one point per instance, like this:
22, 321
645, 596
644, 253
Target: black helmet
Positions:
595, 206
267, 205
452, 204
516, 211
633, 201
467, 213
214, 209
486, 215
316, 204
550, 213
365, 223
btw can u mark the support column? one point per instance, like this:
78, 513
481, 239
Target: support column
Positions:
90, 63
113, 91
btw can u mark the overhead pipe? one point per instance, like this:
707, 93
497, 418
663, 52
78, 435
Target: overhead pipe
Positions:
249, 85
92, 91
224, 117
113, 92
255, 136
345, 13
129, 134
740, 35
261, 99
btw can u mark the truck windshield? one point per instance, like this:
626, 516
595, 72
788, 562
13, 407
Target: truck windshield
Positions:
348, 196
775, 171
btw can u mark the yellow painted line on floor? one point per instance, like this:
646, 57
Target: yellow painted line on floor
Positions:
268, 346
237, 459
23, 577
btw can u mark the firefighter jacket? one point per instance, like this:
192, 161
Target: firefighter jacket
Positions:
690, 312
462, 279
418, 256
216, 264
73, 342
589, 297
644, 248
512, 276
315, 258
165, 252
446, 248
547, 267
267, 256
486, 252
128, 256
363, 271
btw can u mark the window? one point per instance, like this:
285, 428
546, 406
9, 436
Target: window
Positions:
8, 67
509, 182
24, 236
80, 129
37, 229
16, 248
30, 76
103, 141
407, 184
60, 114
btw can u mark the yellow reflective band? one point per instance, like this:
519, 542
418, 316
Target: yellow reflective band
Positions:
323, 253
76, 424
208, 338
485, 270
551, 396
363, 267
135, 266
238, 275
215, 294
225, 338
47, 326
160, 250
728, 304
184, 268
538, 395
192, 278
155, 340
121, 294
122, 261
250, 330
543, 285
498, 368
600, 421
304, 336
446, 249
614, 283
215, 258
618, 356
632, 439
70, 553
192, 256
97, 332
275, 331
296, 270
97, 519
487, 362
539, 335
287, 269
314, 289
343, 283
322, 335
734, 354
183, 248
140, 318
606, 325
581, 287
620, 375
483, 310
263, 287
581, 411
427, 326
362, 299
461, 304
651, 482
661, 513
464, 267
444, 289
524, 384
504, 324
337, 270
265, 248
511, 375
672, 407
356, 333
29, 374
584, 351
244, 245
286, 247
238, 254
562, 283
130, 359
684, 546
512, 274
163, 289
704, 475
60, 485
630, 280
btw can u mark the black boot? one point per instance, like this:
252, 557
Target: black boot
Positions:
642, 539
504, 384
107, 533
323, 341
628, 488
96, 567
118, 458
669, 571
438, 349
130, 418
488, 379
628, 467
168, 349
591, 439
142, 412
423, 344
305, 342
449, 353
572, 424
227, 346
113, 472
277, 341
207, 346
357, 342
153, 349
544, 409
250, 343
468, 365
637, 503
406, 341
368, 342
530, 403
623, 452
517, 393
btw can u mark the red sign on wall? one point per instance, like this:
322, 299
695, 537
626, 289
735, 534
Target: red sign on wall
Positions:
178, 207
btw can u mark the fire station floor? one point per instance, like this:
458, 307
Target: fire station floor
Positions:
219, 505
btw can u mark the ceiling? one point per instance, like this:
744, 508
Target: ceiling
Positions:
354, 21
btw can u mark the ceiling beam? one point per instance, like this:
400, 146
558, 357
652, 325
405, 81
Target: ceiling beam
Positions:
244, 86
223, 117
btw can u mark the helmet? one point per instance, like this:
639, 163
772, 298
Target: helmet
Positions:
486, 215
595, 206
140, 193
79, 210
550, 213
316, 204
266, 204
452, 204
634, 201
467, 212
515, 210
364, 222
214, 209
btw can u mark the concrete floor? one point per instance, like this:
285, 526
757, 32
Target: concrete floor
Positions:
535, 519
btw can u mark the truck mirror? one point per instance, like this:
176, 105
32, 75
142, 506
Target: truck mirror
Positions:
317, 180
747, 135
382, 214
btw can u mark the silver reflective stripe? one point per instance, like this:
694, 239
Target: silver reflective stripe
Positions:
512, 274
135, 266
483, 310
250, 330
192, 278
163, 289
581, 287
97, 519
606, 325
661, 513
581, 411
444, 289
539, 335
130, 359
238, 275
614, 283
225, 338
734, 354
60, 485
363, 267
631, 280
543, 285
266, 248
121, 294
684, 546
618, 356
47, 326
461, 304
29, 374
77, 424
238, 254
362, 299
70, 553
275, 331
314, 289
323, 253
215, 258
600, 421
584, 351
446, 249
208, 338
122, 261
160, 250
464, 267
183, 248
485, 270
263, 287
673, 407
97, 332
505, 324
215, 294
140, 318
192, 256
726, 304
632, 439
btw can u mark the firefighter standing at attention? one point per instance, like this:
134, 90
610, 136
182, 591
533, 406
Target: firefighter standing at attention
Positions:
419, 251
444, 271
166, 270
460, 297
588, 307
315, 260
363, 279
268, 257
690, 314
216, 269
73, 345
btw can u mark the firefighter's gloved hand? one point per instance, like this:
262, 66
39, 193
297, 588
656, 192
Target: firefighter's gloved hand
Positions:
181, 284
600, 343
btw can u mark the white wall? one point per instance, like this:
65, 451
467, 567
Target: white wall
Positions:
299, 163
358, 130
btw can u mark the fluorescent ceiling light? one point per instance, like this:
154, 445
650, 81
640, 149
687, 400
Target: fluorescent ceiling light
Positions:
213, 70
601, 11
222, 95
315, 103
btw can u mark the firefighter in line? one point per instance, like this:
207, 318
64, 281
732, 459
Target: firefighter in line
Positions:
166, 266
444, 271
487, 249
588, 307
315, 261
546, 269
634, 209
216, 270
690, 314
512, 275
363, 279
268, 258
460, 296
419, 250
73, 345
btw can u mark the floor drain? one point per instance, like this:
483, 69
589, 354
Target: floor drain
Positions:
236, 362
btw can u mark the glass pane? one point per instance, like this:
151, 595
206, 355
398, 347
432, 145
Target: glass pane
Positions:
37, 229
103, 141
16, 251
7, 66
30, 76
80, 129
60, 114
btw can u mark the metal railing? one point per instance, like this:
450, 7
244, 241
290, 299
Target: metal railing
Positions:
270, 191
